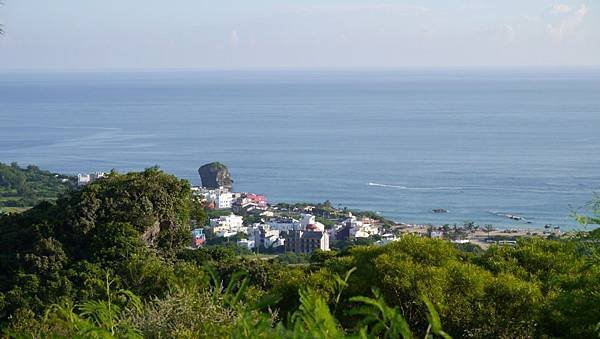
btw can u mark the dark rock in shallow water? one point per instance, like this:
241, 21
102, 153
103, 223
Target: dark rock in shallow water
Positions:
215, 175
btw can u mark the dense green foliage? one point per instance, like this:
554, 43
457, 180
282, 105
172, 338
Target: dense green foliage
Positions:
116, 223
111, 260
26, 187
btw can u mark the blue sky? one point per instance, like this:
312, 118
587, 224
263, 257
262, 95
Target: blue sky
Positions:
238, 34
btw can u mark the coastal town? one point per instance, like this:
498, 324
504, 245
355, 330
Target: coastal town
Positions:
256, 224
304, 228
250, 221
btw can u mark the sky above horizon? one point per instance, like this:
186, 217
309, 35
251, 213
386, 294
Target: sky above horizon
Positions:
237, 34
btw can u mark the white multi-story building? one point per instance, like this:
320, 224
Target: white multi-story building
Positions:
84, 179
363, 231
264, 236
284, 224
360, 228
228, 225
308, 221
222, 198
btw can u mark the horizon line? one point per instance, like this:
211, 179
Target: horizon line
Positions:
295, 69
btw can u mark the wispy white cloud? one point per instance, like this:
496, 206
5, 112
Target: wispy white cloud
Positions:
509, 33
396, 8
234, 39
568, 21
561, 8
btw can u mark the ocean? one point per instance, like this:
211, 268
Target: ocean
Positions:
481, 143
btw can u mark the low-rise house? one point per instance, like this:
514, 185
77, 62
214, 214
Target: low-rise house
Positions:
257, 199
84, 179
386, 239
507, 242
275, 241
436, 234
363, 232
264, 236
353, 228
250, 201
267, 214
228, 225
246, 243
198, 237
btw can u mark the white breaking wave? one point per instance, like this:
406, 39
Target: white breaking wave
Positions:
482, 188
416, 188
384, 185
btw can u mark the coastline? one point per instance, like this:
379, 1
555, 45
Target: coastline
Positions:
480, 237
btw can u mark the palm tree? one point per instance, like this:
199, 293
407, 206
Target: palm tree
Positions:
429, 230
446, 228
488, 228
469, 226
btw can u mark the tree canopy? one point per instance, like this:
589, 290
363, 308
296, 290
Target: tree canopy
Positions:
26, 187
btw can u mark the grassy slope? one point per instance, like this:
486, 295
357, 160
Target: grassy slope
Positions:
21, 188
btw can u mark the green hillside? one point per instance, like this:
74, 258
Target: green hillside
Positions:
22, 188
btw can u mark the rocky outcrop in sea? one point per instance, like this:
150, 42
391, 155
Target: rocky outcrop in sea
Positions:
215, 175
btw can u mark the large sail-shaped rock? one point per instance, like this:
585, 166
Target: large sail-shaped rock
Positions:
215, 175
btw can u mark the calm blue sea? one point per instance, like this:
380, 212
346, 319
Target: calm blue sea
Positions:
479, 143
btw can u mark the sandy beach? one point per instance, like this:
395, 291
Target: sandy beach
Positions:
480, 237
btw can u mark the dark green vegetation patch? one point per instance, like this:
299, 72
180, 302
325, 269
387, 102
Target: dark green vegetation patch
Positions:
22, 188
